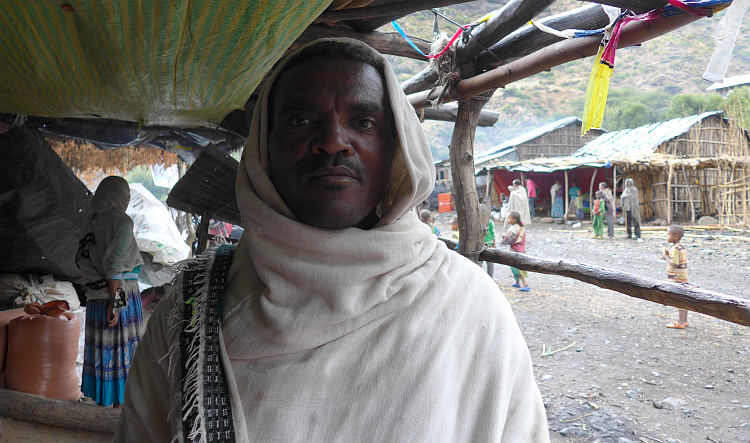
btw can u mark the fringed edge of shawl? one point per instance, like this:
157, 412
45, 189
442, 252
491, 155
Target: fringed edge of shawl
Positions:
192, 399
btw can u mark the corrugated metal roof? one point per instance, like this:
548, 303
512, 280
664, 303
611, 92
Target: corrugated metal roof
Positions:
641, 141
508, 146
729, 82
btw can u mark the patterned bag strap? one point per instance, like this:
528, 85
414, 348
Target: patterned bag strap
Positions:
206, 417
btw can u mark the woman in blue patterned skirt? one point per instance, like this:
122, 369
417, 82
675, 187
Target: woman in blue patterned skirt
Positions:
110, 262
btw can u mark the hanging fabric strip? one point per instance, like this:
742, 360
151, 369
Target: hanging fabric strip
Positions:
725, 36
603, 69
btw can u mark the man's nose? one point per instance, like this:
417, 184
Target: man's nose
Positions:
333, 139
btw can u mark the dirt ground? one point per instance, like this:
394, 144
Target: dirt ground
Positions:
607, 367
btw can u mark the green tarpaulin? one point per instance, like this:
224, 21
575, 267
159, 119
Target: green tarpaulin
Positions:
177, 63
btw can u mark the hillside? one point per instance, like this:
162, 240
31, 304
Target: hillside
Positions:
649, 75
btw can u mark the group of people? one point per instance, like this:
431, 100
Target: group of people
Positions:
604, 211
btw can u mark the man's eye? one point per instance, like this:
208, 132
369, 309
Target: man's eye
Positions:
366, 123
300, 121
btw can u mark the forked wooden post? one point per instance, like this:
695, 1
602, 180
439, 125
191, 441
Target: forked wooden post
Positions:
472, 228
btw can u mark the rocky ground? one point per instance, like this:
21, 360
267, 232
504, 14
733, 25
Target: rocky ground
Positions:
608, 368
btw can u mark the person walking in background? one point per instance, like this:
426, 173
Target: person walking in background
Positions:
578, 202
426, 217
676, 257
110, 262
489, 241
531, 191
609, 214
516, 239
598, 215
631, 206
519, 201
558, 204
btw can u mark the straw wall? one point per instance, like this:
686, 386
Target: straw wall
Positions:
710, 170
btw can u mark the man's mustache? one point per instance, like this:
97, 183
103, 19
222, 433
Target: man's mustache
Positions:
337, 160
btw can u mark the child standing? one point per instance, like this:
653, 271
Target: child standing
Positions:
676, 258
580, 213
425, 216
599, 210
516, 238
454, 227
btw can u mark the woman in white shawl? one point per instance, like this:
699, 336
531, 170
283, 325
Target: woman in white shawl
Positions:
109, 260
631, 204
519, 201
341, 335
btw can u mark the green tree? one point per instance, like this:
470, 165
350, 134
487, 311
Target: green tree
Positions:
737, 105
683, 105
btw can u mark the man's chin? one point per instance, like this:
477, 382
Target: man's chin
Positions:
338, 216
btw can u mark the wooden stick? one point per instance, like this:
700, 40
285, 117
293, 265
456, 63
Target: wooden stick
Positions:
50, 412
510, 17
690, 194
679, 295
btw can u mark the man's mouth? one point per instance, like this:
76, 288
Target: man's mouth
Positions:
333, 175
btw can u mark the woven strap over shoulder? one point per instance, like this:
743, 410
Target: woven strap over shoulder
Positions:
206, 409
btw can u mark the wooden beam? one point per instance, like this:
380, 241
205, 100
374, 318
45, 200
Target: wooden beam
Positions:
384, 42
449, 113
425, 79
679, 295
530, 39
51, 412
520, 43
504, 21
633, 33
385, 10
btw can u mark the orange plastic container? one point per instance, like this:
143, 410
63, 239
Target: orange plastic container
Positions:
445, 202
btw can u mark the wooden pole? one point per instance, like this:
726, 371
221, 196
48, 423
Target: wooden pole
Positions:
591, 194
203, 232
614, 190
470, 226
690, 195
513, 15
669, 193
679, 295
51, 412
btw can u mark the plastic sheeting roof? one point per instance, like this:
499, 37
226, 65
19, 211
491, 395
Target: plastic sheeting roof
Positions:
729, 82
179, 63
641, 141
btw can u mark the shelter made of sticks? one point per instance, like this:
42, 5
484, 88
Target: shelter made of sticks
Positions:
683, 168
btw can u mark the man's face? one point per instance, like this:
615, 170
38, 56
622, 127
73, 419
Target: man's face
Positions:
331, 142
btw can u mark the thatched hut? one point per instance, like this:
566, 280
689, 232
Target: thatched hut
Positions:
683, 168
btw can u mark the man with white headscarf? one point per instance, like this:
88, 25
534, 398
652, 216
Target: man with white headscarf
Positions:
341, 317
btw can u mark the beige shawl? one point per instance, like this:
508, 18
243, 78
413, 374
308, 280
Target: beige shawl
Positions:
353, 335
